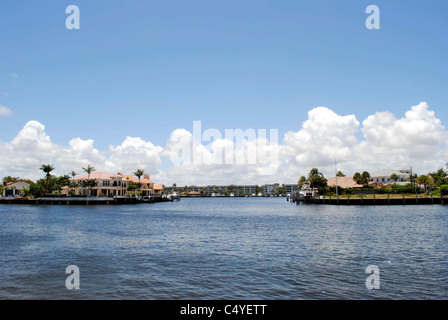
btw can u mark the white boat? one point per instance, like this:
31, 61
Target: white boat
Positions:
307, 192
174, 196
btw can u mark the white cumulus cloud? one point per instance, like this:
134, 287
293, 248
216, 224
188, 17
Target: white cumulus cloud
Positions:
382, 140
132, 154
324, 137
4, 111
32, 147
418, 139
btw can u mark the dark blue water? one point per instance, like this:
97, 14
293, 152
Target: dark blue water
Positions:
224, 248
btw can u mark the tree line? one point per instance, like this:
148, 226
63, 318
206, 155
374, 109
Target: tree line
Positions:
430, 181
52, 185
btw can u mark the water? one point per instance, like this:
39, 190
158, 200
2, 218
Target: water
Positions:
224, 248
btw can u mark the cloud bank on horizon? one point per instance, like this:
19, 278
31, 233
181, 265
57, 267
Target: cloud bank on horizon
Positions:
382, 140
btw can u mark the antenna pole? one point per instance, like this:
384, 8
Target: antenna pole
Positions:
336, 170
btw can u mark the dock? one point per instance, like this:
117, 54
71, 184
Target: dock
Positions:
371, 201
85, 201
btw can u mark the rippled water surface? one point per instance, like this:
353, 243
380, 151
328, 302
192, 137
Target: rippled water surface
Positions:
224, 248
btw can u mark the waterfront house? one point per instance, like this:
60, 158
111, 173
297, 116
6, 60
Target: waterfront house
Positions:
383, 176
14, 188
146, 185
110, 185
158, 188
106, 185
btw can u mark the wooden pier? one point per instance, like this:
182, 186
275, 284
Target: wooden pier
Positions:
375, 201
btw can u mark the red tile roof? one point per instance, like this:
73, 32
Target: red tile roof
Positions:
135, 179
97, 176
344, 182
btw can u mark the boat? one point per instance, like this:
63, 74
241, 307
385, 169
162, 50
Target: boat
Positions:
174, 196
306, 192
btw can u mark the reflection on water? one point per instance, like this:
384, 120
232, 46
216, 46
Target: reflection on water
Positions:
224, 248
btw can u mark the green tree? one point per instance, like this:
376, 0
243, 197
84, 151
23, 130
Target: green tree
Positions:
89, 170
301, 181
9, 179
317, 179
89, 183
340, 174
357, 178
36, 190
26, 192
47, 168
61, 182
139, 173
132, 186
439, 177
362, 178
365, 178
425, 180
73, 174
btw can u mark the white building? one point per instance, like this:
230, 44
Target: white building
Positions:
383, 176
290, 188
15, 188
271, 188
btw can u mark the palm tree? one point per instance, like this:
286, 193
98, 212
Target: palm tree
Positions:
365, 176
139, 173
317, 179
73, 174
26, 191
47, 168
357, 178
89, 170
425, 181
301, 181
340, 174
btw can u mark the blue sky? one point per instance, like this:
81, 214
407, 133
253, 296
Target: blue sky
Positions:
145, 68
